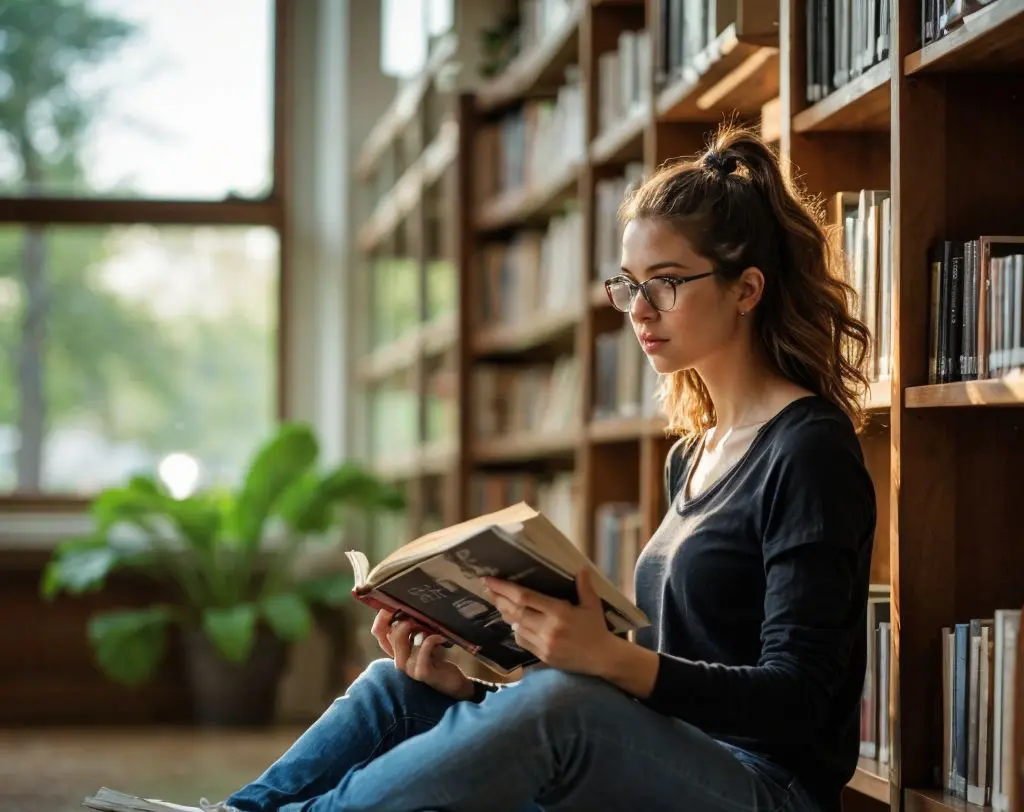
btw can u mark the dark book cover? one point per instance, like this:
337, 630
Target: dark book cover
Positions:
961, 709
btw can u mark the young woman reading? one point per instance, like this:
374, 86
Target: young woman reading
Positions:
744, 693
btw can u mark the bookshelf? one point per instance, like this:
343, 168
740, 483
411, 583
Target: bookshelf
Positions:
907, 143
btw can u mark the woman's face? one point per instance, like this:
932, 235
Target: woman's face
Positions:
704, 319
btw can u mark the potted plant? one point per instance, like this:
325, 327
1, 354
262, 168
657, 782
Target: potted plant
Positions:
229, 560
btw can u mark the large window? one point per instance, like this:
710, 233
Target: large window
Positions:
140, 240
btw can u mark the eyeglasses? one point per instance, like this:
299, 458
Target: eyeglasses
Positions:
659, 291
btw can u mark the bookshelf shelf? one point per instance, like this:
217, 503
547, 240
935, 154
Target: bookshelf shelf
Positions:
1000, 392
525, 447
989, 39
511, 339
529, 204
879, 396
402, 110
870, 780
729, 75
536, 71
917, 800
625, 429
623, 142
863, 104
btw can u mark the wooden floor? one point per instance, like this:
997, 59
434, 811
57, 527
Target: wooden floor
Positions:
45, 770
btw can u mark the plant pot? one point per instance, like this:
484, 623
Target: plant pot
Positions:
226, 694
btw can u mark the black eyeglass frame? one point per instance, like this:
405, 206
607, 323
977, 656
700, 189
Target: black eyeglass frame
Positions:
675, 281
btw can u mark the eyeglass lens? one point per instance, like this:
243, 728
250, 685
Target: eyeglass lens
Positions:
661, 293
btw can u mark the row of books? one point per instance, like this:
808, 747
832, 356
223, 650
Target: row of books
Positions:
608, 196
976, 309
538, 397
623, 86
624, 380
518, 151
554, 495
687, 28
866, 218
939, 17
536, 271
844, 39
618, 540
875, 726
979, 666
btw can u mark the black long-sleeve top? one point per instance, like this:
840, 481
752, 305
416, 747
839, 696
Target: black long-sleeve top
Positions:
757, 589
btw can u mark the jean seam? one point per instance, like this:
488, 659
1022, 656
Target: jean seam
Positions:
391, 729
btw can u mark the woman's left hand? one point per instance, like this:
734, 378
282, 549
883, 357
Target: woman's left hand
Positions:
561, 635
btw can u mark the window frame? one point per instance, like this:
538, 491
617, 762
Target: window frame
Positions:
270, 210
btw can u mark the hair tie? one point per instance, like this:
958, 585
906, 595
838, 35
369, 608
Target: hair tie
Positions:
723, 166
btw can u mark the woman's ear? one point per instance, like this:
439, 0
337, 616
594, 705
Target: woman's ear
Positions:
748, 287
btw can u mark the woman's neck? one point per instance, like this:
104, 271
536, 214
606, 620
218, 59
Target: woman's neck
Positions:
744, 389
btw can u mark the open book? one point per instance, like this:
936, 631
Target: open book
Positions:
436, 581
110, 800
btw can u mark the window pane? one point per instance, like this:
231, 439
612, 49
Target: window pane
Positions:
136, 98
120, 346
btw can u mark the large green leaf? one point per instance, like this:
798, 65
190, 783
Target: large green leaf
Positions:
276, 467
310, 506
231, 630
79, 565
129, 645
288, 615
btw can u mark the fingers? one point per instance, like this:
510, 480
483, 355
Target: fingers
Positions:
380, 628
400, 636
516, 613
522, 596
426, 657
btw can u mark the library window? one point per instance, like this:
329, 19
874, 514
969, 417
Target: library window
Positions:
140, 251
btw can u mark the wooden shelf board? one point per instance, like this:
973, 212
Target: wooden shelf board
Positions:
437, 458
624, 429
989, 39
622, 142
508, 339
879, 396
728, 76
862, 104
526, 446
870, 779
405, 195
540, 69
598, 295
402, 109
771, 120
439, 336
933, 800
996, 392
519, 206
398, 467
395, 356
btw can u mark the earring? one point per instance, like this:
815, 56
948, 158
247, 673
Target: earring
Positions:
743, 312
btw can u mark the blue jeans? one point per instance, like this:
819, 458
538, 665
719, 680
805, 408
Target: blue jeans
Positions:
551, 741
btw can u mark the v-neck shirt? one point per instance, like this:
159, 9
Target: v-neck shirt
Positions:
756, 589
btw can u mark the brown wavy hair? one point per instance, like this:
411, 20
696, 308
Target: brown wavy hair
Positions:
737, 209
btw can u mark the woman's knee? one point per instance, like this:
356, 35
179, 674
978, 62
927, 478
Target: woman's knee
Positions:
551, 691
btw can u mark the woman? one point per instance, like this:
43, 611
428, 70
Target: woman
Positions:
744, 693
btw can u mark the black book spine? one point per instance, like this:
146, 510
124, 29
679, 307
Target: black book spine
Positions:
956, 307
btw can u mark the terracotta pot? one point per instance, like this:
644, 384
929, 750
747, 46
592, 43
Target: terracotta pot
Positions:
226, 694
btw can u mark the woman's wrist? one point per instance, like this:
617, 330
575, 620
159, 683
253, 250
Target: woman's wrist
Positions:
629, 666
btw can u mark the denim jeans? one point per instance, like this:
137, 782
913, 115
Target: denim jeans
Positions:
551, 741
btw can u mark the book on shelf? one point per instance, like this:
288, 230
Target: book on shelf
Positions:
622, 84
436, 580
875, 727
940, 17
976, 309
979, 666
844, 38
865, 217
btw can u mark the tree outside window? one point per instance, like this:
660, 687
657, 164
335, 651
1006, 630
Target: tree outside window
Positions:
140, 243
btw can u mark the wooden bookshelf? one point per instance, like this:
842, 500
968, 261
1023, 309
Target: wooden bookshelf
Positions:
937, 130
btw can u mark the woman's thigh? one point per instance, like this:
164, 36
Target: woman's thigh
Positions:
612, 752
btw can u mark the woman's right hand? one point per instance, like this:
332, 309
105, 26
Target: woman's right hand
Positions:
424, 663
